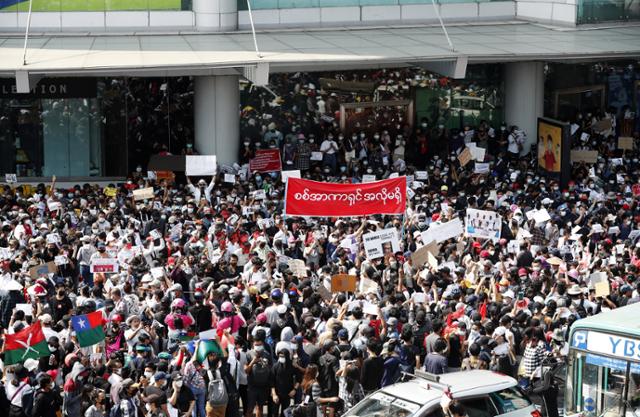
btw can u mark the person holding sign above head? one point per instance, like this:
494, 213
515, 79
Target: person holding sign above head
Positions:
202, 190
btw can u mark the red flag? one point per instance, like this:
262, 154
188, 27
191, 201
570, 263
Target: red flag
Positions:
25, 344
454, 316
483, 310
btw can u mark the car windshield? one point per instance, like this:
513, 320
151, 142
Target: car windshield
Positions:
510, 399
383, 405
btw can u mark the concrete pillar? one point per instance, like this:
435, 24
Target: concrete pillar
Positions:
216, 15
217, 117
524, 97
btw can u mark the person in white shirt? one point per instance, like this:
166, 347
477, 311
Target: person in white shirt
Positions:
513, 143
329, 148
46, 320
202, 190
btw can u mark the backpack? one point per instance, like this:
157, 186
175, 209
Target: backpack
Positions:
217, 391
116, 411
260, 373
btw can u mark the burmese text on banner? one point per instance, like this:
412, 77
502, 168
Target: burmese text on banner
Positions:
320, 199
266, 160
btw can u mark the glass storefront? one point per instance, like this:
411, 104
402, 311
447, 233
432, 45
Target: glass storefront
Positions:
593, 88
54, 130
92, 127
456, 103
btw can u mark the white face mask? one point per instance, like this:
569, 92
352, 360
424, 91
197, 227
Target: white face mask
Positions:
258, 348
148, 375
282, 359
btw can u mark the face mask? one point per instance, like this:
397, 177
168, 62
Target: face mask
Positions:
258, 348
362, 135
112, 205
311, 140
282, 359
148, 375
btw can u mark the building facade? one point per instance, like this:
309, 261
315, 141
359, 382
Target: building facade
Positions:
102, 84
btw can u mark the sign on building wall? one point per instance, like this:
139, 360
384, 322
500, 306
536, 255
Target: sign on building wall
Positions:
80, 87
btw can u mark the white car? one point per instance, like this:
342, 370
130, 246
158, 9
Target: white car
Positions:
483, 394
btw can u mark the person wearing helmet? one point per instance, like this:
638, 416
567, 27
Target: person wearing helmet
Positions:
177, 321
230, 319
272, 310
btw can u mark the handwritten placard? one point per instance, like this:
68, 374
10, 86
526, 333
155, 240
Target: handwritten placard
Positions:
343, 283
143, 194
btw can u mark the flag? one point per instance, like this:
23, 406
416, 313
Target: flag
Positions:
483, 310
205, 347
454, 316
88, 328
27, 343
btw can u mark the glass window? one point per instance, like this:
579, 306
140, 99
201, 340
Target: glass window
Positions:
510, 399
383, 405
61, 128
479, 407
602, 386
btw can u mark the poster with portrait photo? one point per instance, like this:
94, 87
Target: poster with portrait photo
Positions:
554, 143
483, 224
381, 243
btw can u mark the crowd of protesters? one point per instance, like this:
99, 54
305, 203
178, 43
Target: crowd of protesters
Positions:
209, 257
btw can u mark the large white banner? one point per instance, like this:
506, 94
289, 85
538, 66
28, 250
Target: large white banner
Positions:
378, 244
483, 224
443, 231
200, 165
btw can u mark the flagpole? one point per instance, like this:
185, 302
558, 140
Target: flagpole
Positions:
26, 35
